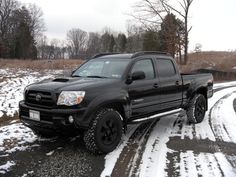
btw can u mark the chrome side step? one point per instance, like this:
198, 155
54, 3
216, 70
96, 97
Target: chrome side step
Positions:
175, 111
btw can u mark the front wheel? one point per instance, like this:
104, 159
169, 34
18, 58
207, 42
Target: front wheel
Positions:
196, 109
105, 132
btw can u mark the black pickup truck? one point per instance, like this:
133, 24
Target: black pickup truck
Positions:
110, 91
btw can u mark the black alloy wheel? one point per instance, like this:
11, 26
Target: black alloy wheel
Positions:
105, 132
109, 132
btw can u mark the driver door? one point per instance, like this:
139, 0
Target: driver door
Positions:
144, 93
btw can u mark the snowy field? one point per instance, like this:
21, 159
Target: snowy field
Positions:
16, 137
166, 147
12, 84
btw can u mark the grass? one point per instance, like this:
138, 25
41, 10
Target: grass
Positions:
222, 61
40, 64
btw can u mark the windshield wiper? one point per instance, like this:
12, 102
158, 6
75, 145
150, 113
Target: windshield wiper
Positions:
96, 76
76, 76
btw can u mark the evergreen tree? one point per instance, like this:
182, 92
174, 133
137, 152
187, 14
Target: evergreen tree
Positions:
150, 41
112, 43
171, 35
121, 42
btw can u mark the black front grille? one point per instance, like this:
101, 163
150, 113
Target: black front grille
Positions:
39, 98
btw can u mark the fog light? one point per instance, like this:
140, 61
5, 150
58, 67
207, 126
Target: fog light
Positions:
71, 119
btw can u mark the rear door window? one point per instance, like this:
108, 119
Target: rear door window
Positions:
165, 68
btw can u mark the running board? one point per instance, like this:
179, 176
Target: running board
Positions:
175, 111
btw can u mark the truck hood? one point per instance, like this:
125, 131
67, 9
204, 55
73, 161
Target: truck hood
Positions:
70, 83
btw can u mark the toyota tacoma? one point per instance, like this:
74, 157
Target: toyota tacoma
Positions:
110, 91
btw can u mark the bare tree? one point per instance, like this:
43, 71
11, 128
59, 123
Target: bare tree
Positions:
152, 12
94, 44
41, 47
77, 40
134, 39
37, 25
6, 9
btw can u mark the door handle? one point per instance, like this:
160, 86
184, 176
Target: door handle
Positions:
155, 85
177, 83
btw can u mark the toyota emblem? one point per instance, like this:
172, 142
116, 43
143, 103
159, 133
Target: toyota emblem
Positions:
38, 97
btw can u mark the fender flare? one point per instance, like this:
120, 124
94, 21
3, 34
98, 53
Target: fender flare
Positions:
102, 101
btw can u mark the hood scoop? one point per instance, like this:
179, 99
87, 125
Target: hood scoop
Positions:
61, 80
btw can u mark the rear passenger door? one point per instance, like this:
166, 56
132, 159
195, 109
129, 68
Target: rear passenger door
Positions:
170, 84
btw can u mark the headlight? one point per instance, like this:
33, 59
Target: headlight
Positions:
70, 98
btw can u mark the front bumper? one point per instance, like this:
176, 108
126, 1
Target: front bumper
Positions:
52, 119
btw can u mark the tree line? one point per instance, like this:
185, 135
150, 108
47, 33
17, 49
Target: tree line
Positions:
158, 27
81, 44
20, 26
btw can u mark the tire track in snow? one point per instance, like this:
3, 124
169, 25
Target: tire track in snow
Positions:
130, 158
219, 126
221, 153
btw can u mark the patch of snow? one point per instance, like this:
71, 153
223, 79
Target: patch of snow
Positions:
16, 137
12, 92
12, 122
12, 88
5, 155
6, 167
225, 84
28, 174
50, 153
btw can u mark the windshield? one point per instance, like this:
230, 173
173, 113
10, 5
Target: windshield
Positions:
102, 68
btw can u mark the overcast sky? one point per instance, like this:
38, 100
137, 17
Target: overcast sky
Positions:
213, 21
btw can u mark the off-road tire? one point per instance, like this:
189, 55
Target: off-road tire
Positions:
97, 134
196, 109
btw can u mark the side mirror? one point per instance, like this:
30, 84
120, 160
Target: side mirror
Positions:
138, 75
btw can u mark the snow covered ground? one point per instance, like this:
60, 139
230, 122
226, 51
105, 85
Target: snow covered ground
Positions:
12, 84
166, 147
16, 137
158, 155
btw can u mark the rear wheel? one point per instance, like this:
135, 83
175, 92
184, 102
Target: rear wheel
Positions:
197, 109
105, 131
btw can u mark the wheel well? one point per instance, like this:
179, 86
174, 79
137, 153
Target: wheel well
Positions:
202, 91
118, 107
